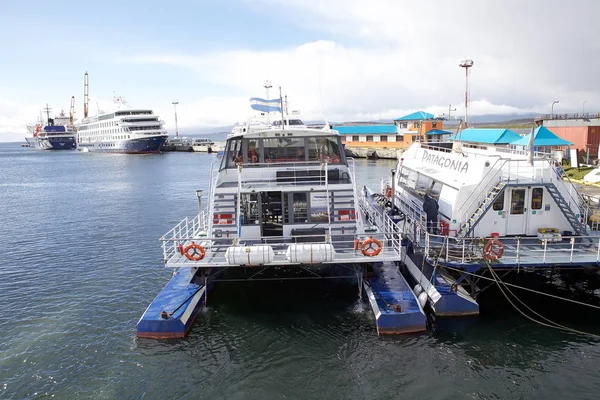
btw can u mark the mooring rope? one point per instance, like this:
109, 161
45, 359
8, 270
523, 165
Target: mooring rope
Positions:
185, 301
525, 288
550, 324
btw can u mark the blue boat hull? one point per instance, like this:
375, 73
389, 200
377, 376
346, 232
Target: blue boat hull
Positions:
173, 312
395, 306
152, 144
59, 143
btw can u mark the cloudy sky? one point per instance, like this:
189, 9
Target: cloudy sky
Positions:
347, 59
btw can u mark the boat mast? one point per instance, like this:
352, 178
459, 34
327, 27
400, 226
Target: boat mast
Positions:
268, 86
86, 95
72, 110
281, 108
47, 109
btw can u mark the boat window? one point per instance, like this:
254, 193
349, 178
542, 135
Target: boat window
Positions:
318, 207
284, 149
517, 201
423, 183
249, 209
299, 207
499, 203
234, 153
253, 151
537, 195
324, 149
435, 189
355, 138
286, 208
411, 181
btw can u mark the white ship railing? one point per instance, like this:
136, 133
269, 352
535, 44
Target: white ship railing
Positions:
216, 247
572, 250
193, 229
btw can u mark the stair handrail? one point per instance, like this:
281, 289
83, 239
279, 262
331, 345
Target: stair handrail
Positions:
476, 197
357, 209
211, 195
582, 204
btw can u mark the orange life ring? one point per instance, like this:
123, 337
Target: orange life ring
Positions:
388, 191
197, 253
367, 247
356, 244
493, 250
180, 248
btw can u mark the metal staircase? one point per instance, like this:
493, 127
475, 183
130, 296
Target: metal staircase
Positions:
482, 208
579, 228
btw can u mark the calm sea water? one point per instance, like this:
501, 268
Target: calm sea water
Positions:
80, 261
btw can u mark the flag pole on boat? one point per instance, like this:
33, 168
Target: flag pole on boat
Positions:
281, 107
530, 145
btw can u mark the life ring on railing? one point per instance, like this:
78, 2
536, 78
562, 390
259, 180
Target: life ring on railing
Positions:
371, 247
180, 248
197, 253
356, 244
493, 250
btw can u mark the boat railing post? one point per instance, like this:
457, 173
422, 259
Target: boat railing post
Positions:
447, 247
462, 260
518, 256
200, 211
598, 253
572, 249
545, 247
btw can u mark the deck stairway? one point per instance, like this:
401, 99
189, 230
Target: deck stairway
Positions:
482, 208
578, 227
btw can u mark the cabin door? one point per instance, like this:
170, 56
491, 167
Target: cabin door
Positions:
272, 214
516, 222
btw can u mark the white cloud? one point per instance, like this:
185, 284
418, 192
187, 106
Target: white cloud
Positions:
385, 58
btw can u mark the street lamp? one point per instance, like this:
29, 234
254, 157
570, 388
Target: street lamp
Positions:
583, 108
175, 107
553, 103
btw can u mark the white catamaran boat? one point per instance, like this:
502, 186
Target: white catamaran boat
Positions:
499, 210
282, 203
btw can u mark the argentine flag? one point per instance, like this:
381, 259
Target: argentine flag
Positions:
263, 105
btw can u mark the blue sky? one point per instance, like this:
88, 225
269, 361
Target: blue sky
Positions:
349, 59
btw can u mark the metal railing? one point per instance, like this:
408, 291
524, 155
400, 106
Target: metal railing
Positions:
517, 250
347, 247
567, 116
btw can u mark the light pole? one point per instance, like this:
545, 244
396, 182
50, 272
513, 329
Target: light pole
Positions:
175, 107
583, 107
553, 103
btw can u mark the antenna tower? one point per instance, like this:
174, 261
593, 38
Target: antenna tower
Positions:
86, 95
466, 64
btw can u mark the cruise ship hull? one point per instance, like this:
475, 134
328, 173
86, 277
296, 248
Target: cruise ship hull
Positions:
130, 146
52, 143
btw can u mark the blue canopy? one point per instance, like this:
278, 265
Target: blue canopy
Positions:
542, 136
437, 132
487, 136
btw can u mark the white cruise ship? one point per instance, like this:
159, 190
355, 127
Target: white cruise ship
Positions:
123, 131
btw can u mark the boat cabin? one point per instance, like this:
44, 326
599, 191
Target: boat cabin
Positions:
483, 193
289, 182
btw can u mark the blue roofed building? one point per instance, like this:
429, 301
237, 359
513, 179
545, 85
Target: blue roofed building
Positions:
485, 138
421, 126
544, 141
383, 135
